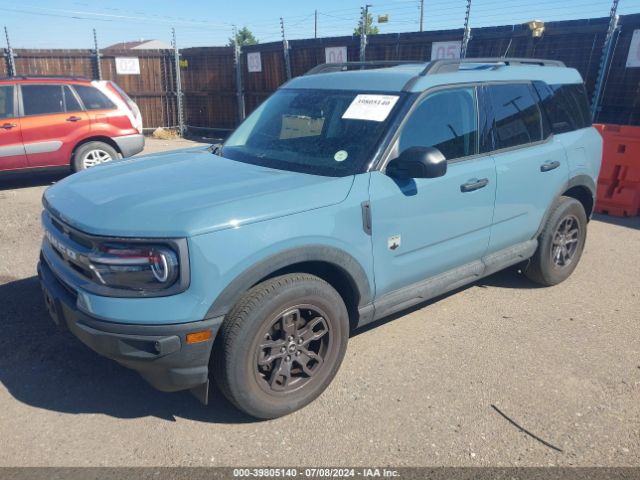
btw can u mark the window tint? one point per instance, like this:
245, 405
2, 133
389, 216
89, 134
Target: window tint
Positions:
93, 98
6, 102
445, 120
566, 106
42, 99
517, 118
70, 101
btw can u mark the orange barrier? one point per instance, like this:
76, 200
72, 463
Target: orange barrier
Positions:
619, 181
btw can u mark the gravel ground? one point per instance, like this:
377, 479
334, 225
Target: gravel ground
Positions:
424, 388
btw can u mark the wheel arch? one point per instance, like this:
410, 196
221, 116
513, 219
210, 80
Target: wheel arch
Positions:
335, 266
582, 188
95, 138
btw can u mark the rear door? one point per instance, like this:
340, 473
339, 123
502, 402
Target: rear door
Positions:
531, 164
12, 155
52, 124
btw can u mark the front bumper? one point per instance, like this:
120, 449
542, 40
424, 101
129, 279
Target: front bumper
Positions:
158, 352
129, 145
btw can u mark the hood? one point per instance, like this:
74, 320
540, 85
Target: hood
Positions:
185, 193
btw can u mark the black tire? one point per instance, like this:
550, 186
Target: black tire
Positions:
259, 319
549, 265
80, 162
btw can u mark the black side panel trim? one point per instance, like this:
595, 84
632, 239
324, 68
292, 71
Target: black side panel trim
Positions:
445, 282
577, 181
286, 258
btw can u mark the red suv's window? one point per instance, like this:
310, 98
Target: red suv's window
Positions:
42, 99
70, 101
93, 98
6, 101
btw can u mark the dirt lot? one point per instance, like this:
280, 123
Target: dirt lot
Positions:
419, 389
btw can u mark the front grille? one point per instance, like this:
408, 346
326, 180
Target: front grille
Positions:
69, 246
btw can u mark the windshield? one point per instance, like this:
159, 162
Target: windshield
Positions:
321, 132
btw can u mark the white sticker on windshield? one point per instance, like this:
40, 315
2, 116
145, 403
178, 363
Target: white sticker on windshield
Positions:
370, 107
340, 156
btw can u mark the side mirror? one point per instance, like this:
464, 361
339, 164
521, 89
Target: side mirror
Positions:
418, 162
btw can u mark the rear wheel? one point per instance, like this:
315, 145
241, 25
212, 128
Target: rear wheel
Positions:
281, 345
560, 244
91, 154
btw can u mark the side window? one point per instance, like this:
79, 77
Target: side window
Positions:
445, 120
42, 99
517, 118
70, 102
93, 98
6, 101
566, 106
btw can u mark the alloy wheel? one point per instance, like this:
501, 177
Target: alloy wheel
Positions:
293, 349
95, 157
565, 241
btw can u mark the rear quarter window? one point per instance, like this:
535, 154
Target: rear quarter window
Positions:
93, 99
565, 105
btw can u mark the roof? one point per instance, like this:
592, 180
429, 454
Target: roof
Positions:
44, 79
140, 45
416, 77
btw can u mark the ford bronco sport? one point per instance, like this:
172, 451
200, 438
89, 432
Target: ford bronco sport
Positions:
348, 195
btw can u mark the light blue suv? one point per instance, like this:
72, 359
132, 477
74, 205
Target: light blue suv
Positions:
354, 192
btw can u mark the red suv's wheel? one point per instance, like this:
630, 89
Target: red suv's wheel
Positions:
91, 154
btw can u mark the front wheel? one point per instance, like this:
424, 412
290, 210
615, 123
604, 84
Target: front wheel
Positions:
560, 244
281, 345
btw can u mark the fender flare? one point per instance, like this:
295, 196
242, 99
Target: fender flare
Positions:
577, 181
286, 258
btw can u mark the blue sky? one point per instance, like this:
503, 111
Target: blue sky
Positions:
68, 23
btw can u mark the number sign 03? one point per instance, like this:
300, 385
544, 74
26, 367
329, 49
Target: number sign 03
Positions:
254, 62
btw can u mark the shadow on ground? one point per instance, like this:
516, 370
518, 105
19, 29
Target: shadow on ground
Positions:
509, 278
629, 222
46, 368
16, 180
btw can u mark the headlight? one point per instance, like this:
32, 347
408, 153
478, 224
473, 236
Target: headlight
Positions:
133, 266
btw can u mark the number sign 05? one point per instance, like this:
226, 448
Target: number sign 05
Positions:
446, 50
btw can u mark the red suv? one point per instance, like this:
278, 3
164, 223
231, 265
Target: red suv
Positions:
47, 122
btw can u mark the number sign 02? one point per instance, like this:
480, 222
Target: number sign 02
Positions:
127, 66
446, 50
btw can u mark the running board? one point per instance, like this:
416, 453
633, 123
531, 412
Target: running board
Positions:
432, 287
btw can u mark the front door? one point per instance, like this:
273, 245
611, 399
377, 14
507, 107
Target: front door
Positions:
52, 123
423, 227
12, 154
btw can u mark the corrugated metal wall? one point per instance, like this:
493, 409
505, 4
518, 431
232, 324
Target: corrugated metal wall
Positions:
209, 83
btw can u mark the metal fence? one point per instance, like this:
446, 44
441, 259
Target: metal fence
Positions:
216, 89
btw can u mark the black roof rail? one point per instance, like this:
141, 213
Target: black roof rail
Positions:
45, 77
452, 65
341, 67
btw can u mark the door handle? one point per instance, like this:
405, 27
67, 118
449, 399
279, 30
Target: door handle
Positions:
547, 166
73, 118
474, 184
8, 126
